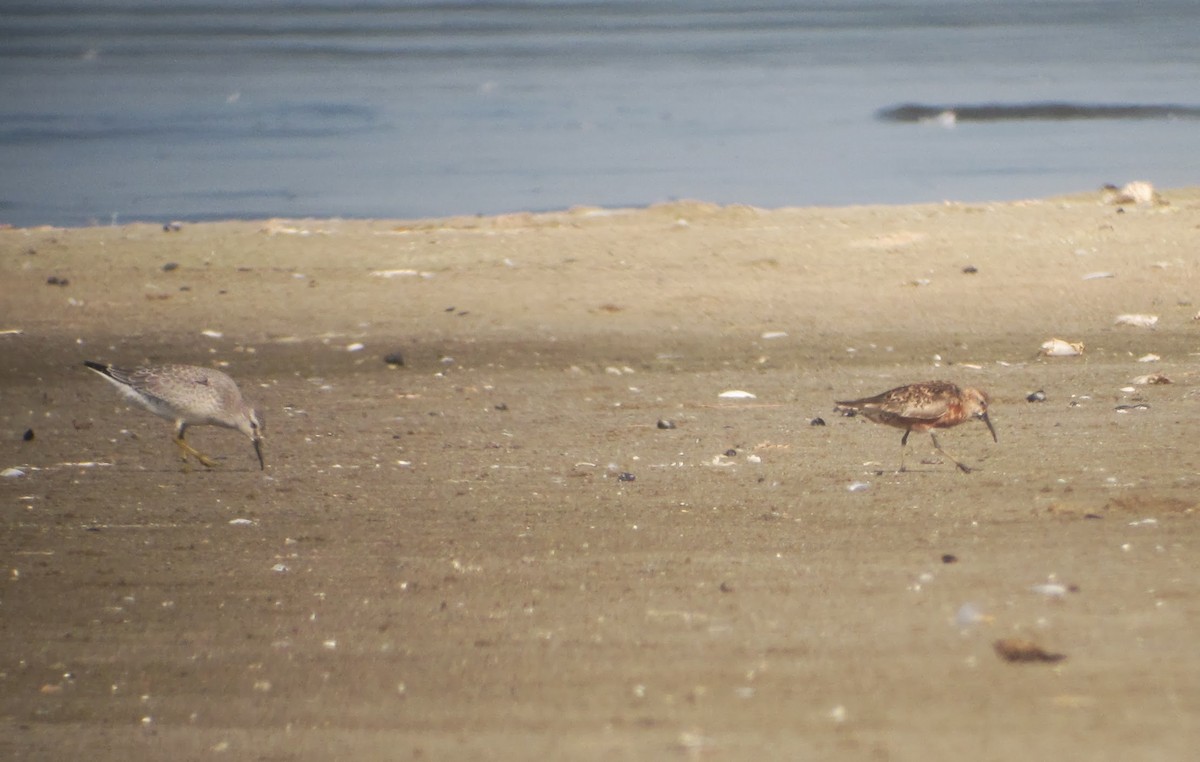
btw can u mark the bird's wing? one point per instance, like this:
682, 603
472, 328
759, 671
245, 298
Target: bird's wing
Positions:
926, 403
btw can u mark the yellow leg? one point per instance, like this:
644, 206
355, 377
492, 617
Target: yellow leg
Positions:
186, 449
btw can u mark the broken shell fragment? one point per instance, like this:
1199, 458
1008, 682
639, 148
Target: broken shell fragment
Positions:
1061, 348
736, 394
1138, 321
1152, 379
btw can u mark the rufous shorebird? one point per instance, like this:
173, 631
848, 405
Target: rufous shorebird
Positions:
925, 406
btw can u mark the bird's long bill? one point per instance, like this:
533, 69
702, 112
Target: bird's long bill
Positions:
262, 464
988, 421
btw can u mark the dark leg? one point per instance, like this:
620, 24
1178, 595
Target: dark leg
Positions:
961, 466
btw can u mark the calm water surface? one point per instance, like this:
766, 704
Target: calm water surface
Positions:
122, 110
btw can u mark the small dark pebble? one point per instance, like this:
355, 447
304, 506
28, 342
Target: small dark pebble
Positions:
817, 422
726, 587
28, 435
172, 227
395, 358
949, 558
848, 412
970, 269
1038, 396
450, 309
54, 280
502, 406
1120, 210
169, 266
625, 476
1092, 516
731, 453
185, 288
1140, 406
663, 423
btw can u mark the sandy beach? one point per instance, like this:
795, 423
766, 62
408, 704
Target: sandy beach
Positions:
493, 549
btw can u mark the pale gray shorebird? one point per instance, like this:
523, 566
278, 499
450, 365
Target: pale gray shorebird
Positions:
189, 396
925, 406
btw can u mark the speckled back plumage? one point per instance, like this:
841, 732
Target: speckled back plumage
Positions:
196, 395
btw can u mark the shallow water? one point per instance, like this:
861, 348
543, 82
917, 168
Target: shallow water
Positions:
135, 110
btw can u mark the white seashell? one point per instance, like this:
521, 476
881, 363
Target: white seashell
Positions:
969, 614
1140, 321
1136, 192
858, 486
12, 473
774, 334
1061, 348
737, 394
401, 274
211, 333
1149, 358
355, 347
1099, 276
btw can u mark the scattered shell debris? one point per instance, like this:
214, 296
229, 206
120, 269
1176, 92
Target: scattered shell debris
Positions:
737, 394
1061, 348
1099, 275
402, 274
281, 227
624, 370
1019, 650
1136, 320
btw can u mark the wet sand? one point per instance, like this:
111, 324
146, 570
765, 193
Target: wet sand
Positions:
444, 561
